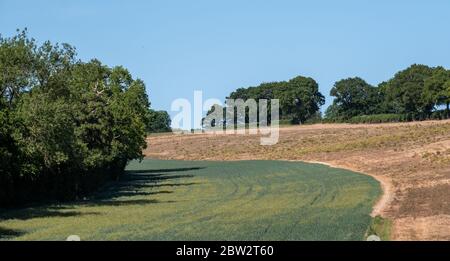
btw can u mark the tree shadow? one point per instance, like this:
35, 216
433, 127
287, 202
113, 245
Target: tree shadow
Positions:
150, 171
154, 177
6, 233
144, 186
134, 184
117, 203
118, 193
40, 212
128, 193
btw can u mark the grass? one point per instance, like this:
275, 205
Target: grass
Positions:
182, 200
380, 139
380, 227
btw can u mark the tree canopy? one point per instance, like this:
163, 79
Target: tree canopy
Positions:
354, 97
437, 88
299, 97
159, 122
66, 125
414, 93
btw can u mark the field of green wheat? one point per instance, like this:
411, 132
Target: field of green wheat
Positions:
181, 200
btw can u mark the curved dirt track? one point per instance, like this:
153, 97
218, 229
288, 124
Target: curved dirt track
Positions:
410, 160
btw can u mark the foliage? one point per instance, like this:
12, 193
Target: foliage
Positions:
300, 99
380, 227
353, 97
405, 93
66, 125
17, 55
159, 122
437, 88
414, 93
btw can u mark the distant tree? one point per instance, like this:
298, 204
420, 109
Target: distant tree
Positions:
299, 97
332, 113
411, 94
437, 88
406, 91
159, 121
354, 97
384, 106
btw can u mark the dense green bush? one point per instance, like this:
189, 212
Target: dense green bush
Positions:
66, 126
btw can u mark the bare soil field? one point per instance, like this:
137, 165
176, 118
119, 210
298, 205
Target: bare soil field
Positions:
411, 161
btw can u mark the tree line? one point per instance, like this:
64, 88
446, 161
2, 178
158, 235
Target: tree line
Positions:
419, 92
299, 101
66, 126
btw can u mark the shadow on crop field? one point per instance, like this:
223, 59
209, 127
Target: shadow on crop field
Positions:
140, 193
131, 189
8, 233
115, 203
150, 171
140, 186
132, 183
40, 212
154, 177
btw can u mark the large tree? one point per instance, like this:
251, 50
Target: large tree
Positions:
159, 122
299, 97
405, 92
353, 97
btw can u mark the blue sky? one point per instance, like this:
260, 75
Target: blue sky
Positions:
177, 47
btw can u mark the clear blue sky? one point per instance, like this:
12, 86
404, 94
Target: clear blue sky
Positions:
177, 47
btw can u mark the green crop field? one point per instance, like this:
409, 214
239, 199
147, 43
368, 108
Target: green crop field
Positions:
179, 200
